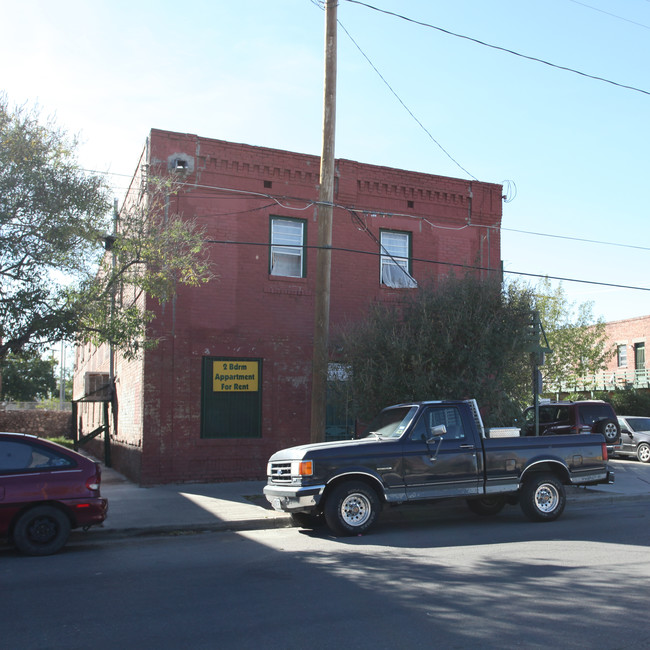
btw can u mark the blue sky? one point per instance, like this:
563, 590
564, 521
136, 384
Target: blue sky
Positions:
252, 71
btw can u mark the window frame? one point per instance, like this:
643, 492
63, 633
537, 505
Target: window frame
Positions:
621, 355
301, 248
387, 258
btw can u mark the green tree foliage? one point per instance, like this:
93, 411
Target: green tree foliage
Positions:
56, 279
51, 215
154, 251
628, 402
27, 377
579, 341
462, 339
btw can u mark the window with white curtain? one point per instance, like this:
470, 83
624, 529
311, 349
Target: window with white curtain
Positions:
396, 260
287, 247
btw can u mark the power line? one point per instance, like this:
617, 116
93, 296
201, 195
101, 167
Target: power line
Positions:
309, 203
607, 13
579, 239
399, 99
501, 49
470, 267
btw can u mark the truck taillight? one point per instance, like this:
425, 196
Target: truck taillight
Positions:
604, 445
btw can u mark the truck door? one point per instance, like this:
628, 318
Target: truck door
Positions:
448, 466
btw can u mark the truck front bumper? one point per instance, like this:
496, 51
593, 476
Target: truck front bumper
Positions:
289, 498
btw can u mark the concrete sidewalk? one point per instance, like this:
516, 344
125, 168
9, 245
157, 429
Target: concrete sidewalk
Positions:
135, 510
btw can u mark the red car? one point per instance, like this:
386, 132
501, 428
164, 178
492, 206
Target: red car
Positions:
45, 491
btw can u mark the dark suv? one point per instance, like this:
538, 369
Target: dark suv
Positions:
593, 416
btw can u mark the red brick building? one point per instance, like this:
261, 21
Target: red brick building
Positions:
230, 381
628, 367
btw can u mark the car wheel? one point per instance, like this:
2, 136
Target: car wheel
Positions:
351, 508
542, 497
487, 506
608, 428
42, 530
643, 452
306, 520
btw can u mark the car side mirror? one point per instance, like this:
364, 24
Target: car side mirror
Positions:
436, 432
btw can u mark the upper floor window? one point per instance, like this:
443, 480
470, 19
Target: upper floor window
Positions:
621, 355
287, 247
396, 260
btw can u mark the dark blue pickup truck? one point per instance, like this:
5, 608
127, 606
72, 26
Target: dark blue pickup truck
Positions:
427, 451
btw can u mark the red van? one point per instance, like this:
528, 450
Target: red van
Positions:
45, 491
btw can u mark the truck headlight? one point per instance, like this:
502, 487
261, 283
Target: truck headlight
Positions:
302, 468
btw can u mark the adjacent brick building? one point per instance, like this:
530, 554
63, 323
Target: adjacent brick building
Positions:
628, 367
229, 382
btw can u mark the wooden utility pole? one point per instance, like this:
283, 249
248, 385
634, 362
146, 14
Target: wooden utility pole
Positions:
324, 213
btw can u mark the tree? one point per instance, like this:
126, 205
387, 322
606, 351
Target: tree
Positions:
27, 377
628, 402
51, 216
57, 280
462, 339
153, 251
579, 341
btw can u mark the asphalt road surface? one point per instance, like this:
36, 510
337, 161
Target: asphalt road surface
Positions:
456, 581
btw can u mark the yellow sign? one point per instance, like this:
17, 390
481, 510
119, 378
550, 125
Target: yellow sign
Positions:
235, 376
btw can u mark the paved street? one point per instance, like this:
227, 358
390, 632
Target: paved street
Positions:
450, 582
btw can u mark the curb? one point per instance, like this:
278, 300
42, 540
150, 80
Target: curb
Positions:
578, 497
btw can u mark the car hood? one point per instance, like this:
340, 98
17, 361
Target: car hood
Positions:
302, 451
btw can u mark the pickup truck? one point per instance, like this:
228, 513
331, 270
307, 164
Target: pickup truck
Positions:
427, 451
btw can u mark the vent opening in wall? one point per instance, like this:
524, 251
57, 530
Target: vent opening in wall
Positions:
181, 163
410, 204
268, 184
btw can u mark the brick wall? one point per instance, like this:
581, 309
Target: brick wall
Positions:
629, 333
232, 191
47, 424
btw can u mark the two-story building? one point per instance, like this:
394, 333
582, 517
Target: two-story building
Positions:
230, 381
627, 368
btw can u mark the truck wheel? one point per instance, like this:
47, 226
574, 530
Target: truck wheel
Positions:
542, 497
608, 428
643, 452
41, 531
351, 508
305, 520
486, 506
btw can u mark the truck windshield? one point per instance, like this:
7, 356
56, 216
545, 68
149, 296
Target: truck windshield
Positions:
391, 423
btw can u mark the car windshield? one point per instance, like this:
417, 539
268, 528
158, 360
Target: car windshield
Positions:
639, 424
391, 423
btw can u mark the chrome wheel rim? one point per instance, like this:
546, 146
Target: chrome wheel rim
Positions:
644, 453
547, 497
610, 431
356, 509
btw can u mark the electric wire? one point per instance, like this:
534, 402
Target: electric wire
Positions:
408, 110
499, 48
607, 13
470, 267
278, 200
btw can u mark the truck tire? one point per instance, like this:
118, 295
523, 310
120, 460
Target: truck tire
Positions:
609, 429
351, 508
643, 452
486, 506
42, 530
542, 497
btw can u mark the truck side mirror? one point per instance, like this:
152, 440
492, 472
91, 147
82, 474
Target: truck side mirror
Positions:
436, 432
